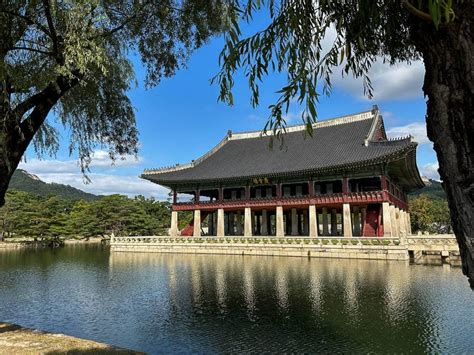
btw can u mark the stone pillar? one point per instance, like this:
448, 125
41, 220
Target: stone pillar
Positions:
174, 224
239, 223
294, 222
325, 221
197, 223
210, 224
264, 229
280, 227
356, 229
333, 221
306, 223
313, 221
408, 223
220, 222
346, 220
387, 220
403, 230
395, 226
363, 214
248, 222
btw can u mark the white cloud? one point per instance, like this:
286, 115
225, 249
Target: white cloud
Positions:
102, 158
431, 171
107, 184
68, 172
416, 129
390, 82
99, 158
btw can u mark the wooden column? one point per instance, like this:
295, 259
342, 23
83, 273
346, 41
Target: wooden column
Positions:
325, 221
333, 221
264, 229
356, 227
294, 221
210, 223
345, 186
175, 197
363, 215
239, 223
311, 187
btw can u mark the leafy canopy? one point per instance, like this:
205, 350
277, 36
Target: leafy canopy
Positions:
74, 57
296, 42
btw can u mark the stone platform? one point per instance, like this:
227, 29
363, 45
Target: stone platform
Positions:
443, 247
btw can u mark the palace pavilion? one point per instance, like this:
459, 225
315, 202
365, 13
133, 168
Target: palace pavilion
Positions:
347, 179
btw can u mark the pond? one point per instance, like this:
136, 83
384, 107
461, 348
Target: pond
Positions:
162, 303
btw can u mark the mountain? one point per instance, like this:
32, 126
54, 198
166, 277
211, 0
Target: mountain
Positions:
24, 181
434, 191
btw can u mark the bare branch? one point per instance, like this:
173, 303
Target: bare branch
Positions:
52, 30
29, 21
32, 50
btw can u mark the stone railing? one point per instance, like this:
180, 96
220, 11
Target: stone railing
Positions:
432, 242
320, 241
288, 201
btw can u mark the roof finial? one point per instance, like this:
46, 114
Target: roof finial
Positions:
229, 133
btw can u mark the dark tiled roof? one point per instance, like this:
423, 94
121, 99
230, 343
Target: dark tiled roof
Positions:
343, 142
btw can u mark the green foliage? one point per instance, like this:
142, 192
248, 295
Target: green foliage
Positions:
430, 215
310, 40
434, 191
73, 57
30, 215
23, 181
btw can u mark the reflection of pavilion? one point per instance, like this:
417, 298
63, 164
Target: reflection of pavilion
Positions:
347, 180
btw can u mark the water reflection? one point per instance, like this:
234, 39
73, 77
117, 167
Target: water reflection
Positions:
200, 303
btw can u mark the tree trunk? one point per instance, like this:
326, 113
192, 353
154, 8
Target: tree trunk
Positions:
448, 54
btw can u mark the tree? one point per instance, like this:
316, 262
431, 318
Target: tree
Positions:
439, 32
430, 215
72, 57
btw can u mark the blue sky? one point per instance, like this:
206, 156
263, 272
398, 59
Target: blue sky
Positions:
180, 120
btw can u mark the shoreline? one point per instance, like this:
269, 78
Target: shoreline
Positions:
15, 339
15, 243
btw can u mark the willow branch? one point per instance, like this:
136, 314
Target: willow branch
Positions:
416, 12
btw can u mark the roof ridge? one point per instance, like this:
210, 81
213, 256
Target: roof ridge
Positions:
355, 117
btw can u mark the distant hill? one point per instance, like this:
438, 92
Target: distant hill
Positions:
434, 191
24, 181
